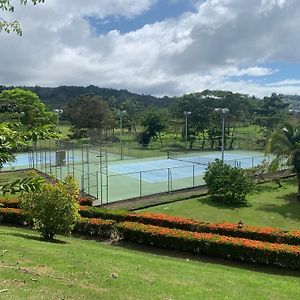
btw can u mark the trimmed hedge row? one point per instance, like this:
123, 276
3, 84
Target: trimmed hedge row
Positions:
85, 201
280, 255
15, 202
267, 234
12, 203
85, 225
12, 216
92, 226
241, 249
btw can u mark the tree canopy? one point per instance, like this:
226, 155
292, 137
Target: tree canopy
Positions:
8, 26
89, 112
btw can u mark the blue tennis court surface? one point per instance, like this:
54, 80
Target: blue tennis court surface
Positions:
158, 170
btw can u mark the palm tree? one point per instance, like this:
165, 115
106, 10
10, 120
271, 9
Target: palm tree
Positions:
285, 143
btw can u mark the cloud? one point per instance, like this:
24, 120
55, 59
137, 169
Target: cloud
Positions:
215, 47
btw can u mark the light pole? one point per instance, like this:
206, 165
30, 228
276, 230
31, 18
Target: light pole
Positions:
59, 112
186, 114
223, 112
121, 113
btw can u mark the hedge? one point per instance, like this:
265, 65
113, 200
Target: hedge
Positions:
12, 216
92, 226
15, 202
88, 226
240, 249
85, 201
267, 234
12, 202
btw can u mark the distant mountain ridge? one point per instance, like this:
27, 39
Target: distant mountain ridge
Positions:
58, 97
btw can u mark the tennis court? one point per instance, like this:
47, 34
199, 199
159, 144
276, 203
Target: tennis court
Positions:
108, 178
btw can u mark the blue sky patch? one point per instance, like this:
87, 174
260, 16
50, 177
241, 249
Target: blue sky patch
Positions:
160, 11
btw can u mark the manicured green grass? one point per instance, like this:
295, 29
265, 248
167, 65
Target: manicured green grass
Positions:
89, 269
7, 177
270, 206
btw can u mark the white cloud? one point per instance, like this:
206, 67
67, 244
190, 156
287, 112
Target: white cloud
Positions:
211, 48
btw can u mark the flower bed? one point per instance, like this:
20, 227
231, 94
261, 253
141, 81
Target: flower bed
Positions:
85, 201
88, 226
93, 226
15, 202
280, 255
12, 216
12, 203
267, 234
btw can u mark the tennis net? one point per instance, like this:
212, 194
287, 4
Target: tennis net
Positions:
197, 160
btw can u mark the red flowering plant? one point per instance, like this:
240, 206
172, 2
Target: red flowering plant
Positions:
281, 255
94, 226
12, 216
85, 201
10, 202
268, 234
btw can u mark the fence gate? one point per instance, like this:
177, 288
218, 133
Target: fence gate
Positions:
103, 176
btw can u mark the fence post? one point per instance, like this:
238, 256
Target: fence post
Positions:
252, 161
82, 182
141, 192
193, 175
97, 184
107, 188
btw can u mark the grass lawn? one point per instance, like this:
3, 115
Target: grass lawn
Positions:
77, 268
6, 177
269, 206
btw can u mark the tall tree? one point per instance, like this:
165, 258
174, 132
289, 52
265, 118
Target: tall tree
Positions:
154, 121
89, 112
7, 26
26, 106
285, 143
271, 112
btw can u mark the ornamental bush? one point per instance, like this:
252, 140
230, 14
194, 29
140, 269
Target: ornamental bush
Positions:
53, 209
227, 184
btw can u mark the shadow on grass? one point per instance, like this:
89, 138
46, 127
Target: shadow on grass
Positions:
35, 238
209, 201
290, 208
207, 259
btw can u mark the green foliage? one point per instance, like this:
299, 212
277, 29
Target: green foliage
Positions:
5, 5
285, 143
53, 209
227, 184
233, 248
34, 122
205, 123
89, 112
27, 184
271, 112
27, 106
154, 122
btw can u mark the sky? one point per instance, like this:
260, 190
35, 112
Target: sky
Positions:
157, 47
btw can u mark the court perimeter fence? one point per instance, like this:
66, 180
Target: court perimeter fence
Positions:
96, 170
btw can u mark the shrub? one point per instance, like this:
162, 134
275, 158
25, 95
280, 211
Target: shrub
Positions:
10, 202
53, 209
267, 234
12, 216
227, 184
280, 255
85, 201
94, 226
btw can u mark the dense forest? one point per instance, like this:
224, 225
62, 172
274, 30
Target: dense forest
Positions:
58, 97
